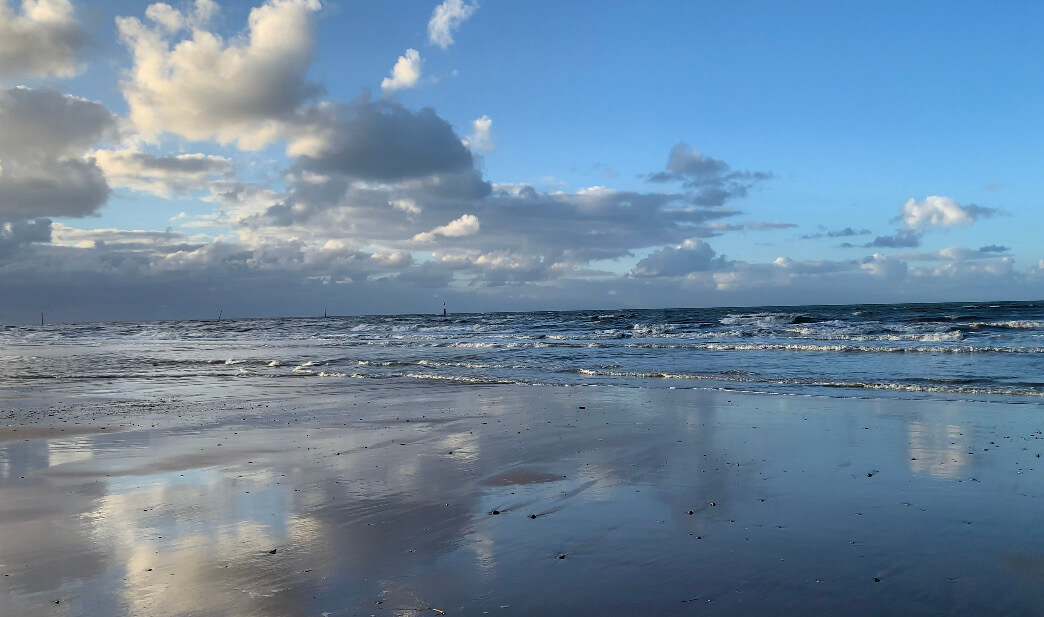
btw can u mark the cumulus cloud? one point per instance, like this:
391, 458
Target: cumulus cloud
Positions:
174, 20
384, 141
135, 274
163, 176
246, 90
592, 223
936, 211
42, 38
42, 123
466, 225
69, 187
495, 268
689, 256
569, 229
371, 185
404, 74
43, 136
712, 181
481, 137
446, 19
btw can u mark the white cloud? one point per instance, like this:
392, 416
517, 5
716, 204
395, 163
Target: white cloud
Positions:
466, 225
42, 38
247, 90
163, 176
404, 74
936, 211
494, 268
165, 15
183, 219
967, 272
395, 260
446, 18
174, 20
481, 137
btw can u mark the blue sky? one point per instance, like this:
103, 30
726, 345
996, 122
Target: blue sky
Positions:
162, 160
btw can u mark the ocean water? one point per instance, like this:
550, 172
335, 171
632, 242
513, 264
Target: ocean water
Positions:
974, 351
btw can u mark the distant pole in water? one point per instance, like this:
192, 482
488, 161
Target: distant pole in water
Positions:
324, 312
220, 313
41, 319
443, 309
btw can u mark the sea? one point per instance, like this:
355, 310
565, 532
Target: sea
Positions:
991, 351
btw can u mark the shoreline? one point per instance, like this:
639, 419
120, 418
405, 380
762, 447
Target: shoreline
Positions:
380, 501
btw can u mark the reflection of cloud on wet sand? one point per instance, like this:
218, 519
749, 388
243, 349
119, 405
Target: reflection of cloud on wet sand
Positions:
358, 512
183, 526
937, 449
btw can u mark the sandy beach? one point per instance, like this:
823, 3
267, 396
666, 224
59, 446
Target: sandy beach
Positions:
508, 500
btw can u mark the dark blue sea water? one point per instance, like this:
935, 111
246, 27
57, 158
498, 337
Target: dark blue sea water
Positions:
981, 351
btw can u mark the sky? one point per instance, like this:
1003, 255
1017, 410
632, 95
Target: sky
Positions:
296, 157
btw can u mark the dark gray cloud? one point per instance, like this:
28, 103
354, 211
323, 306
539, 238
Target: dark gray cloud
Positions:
384, 141
712, 181
994, 248
16, 234
45, 124
181, 164
43, 135
71, 187
904, 238
690, 256
594, 223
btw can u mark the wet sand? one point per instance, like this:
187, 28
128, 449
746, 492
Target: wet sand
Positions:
530, 500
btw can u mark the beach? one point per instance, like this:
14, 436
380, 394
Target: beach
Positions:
402, 499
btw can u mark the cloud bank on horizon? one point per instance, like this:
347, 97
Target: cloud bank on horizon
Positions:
278, 196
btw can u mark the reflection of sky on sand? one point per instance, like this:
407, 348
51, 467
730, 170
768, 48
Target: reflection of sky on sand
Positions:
61, 451
938, 449
168, 522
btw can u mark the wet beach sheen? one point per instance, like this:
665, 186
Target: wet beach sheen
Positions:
379, 500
